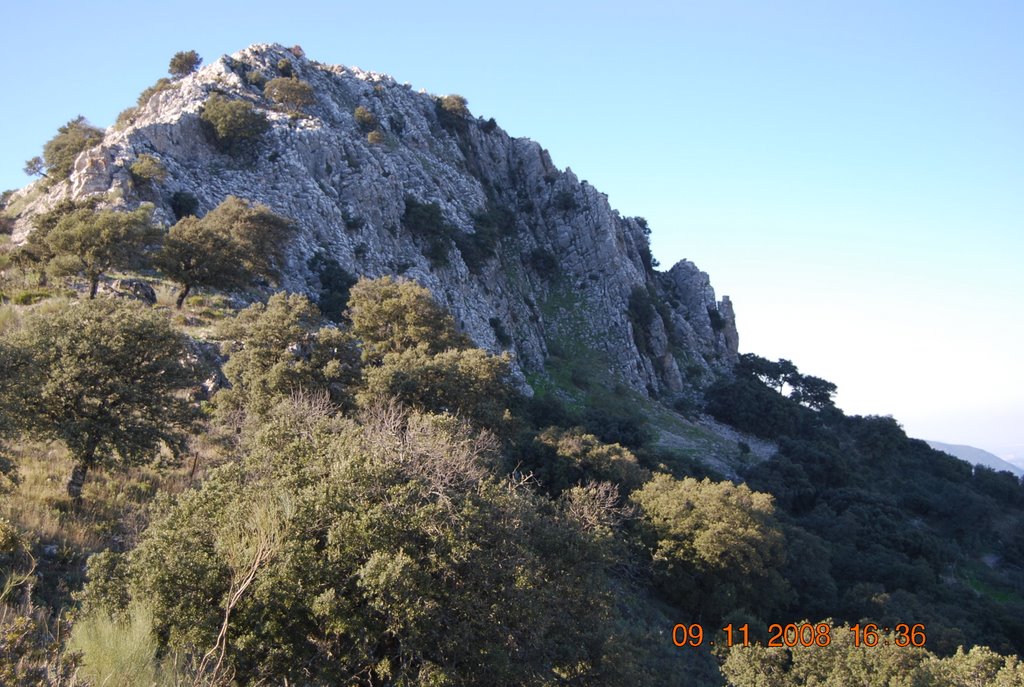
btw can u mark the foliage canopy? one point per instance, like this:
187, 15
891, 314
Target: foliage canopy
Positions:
234, 125
229, 247
290, 91
104, 379
374, 536
89, 242
60, 152
184, 63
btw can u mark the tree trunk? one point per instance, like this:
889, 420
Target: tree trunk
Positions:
77, 480
81, 469
182, 296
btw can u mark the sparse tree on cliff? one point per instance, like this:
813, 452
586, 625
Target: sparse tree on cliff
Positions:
229, 247
60, 152
184, 63
89, 242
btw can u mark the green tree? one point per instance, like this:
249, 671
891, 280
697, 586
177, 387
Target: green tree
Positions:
60, 152
35, 167
105, 378
234, 125
716, 546
229, 247
814, 392
391, 316
290, 91
184, 63
89, 242
279, 349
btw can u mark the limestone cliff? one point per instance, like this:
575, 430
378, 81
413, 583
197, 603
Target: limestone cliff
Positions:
562, 269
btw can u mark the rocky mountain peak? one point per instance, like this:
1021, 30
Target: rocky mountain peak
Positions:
382, 180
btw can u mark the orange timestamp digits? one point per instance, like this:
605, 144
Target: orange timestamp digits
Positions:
781, 635
903, 635
693, 634
805, 635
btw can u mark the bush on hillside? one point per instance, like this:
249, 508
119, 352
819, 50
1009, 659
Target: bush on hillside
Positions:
290, 91
233, 125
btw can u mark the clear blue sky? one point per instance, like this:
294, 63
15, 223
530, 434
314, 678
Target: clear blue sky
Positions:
850, 173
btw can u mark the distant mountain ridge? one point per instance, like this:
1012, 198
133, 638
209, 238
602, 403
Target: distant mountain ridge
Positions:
976, 456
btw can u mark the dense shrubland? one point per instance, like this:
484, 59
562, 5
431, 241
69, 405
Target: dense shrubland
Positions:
386, 508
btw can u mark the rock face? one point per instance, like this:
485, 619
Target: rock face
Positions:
532, 259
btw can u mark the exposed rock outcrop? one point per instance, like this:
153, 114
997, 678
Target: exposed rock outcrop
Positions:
538, 259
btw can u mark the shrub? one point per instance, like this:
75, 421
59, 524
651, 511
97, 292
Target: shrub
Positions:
234, 125
125, 118
452, 113
147, 170
718, 546
335, 284
184, 63
393, 316
454, 104
565, 201
375, 137
490, 226
580, 457
183, 204
161, 84
290, 91
369, 538
365, 119
284, 351
257, 79
284, 66
425, 222
647, 258
641, 309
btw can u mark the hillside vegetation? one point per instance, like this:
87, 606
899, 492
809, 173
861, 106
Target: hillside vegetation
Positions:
249, 486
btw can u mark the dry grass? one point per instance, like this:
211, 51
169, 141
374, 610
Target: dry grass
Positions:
112, 515
166, 294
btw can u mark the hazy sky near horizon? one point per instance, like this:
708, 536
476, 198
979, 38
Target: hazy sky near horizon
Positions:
850, 173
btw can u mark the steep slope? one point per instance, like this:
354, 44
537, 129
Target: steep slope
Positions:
526, 256
976, 456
